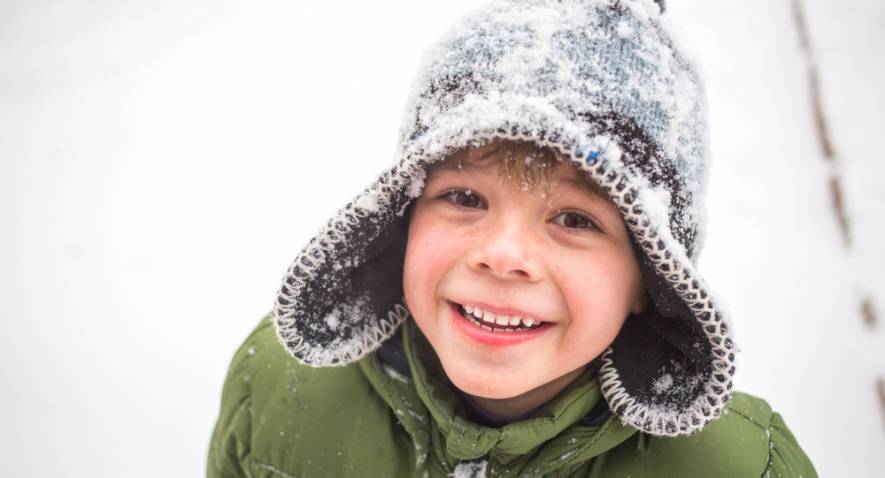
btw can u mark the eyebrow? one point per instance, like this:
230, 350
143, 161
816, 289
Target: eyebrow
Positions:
467, 160
577, 184
457, 165
451, 166
585, 186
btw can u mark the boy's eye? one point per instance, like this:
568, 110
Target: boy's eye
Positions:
463, 198
574, 220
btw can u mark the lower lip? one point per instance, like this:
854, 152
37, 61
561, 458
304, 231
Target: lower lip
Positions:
497, 339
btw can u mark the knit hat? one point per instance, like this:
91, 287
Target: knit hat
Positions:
602, 83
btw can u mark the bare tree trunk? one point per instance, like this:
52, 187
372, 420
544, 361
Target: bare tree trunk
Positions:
837, 196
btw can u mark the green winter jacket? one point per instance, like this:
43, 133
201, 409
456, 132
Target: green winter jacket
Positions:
282, 419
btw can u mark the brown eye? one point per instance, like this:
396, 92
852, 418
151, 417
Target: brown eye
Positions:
463, 198
574, 220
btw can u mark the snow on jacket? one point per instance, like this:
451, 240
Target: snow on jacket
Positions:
282, 419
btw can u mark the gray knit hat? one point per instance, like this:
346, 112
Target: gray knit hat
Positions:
602, 83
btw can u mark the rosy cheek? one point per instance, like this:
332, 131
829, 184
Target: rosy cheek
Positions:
422, 250
418, 270
594, 290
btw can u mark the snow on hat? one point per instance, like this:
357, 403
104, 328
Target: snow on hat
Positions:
602, 83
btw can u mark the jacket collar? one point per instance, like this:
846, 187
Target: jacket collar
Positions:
556, 435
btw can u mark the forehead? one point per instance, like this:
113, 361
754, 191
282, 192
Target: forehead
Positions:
525, 165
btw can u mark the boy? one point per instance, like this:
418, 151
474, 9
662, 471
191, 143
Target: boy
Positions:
518, 296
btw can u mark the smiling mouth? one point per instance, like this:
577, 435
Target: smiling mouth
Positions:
497, 323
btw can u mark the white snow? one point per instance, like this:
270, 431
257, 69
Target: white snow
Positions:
624, 29
368, 202
663, 383
163, 162
351, 313
392, 373
471, 469
567, 455
417, 184
333, 320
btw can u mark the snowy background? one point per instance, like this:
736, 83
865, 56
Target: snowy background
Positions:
162, 162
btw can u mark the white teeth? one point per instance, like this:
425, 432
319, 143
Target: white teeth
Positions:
492, 319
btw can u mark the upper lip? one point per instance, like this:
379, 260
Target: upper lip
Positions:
498, 311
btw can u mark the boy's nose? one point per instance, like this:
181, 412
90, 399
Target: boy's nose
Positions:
505, 252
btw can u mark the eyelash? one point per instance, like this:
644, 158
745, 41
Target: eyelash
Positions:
591, 224
450, 195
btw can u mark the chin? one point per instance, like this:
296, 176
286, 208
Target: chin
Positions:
486, 385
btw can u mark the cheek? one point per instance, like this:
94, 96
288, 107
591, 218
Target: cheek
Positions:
599, 289
429, 254
596, 319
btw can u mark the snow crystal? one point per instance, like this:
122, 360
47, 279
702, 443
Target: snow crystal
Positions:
624, 29
332, 320
609, 148
417, 416
663, 383
654, 206
345, 263
417, 184
410, 407
420, 455
613, 153
368, 202
471, 469
663, 195
395, 375
350, 313
655, 203
642, 9
567, 455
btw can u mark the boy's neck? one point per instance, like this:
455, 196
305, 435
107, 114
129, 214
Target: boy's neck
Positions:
511, 409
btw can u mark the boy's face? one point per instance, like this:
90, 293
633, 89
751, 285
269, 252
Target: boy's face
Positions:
560, 255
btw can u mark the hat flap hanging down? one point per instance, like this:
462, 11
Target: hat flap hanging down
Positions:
602, 83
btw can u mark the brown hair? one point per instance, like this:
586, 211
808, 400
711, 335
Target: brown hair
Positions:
519, 162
